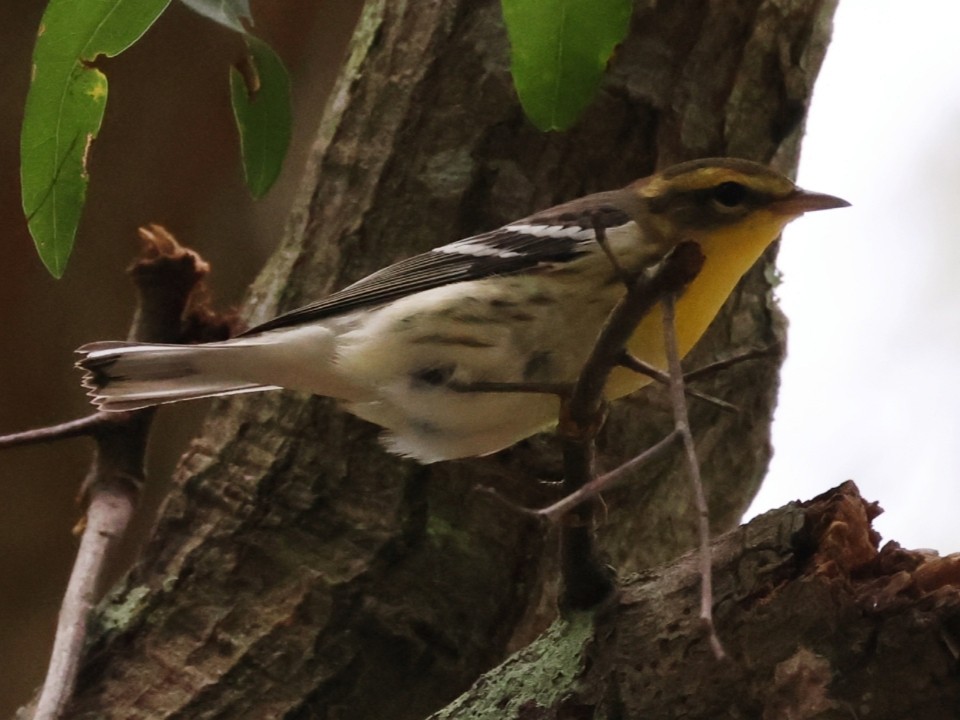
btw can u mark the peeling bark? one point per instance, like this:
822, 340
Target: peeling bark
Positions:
819, 623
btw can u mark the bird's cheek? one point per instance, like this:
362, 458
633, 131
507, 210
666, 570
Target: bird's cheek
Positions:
658, 236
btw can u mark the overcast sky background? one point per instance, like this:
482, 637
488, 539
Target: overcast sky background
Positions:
871, 387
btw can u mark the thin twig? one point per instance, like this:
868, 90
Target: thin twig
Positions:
507, 502
631, 362
736, 359
600, 236
107, 518
672, 274
63, 431
682, 424
606, 481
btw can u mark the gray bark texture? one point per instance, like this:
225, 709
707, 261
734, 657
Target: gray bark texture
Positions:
296, 569
818, 623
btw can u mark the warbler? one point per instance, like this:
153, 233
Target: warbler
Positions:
520, 304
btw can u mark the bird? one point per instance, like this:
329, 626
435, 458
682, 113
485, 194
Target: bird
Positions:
523, 303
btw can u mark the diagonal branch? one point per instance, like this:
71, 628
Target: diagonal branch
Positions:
682, 425
586, 580
72, 428
166, 276
639, 366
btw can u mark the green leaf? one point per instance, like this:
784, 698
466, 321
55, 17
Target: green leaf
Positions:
229, 13
260, 93
64, 109
560, 49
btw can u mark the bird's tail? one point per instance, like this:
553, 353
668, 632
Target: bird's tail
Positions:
129, 376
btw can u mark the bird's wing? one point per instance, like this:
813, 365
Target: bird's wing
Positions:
542, 240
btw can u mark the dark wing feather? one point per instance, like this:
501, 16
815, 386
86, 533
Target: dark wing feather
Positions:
505, 251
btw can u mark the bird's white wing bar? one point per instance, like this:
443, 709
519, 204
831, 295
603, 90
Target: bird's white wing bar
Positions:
557, 231
547, 239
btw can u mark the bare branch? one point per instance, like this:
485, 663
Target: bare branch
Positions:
63, 431
600, 235
672, 274
735, 359
682, 424
107, 517
606, 481
637, 365
166, 275
586, 579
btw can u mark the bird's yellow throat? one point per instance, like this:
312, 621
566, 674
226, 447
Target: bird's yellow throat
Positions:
729, 253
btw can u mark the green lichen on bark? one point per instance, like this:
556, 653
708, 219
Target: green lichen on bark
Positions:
532, 678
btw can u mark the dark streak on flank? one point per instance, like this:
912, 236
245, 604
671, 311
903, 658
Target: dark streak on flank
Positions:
433, 376
464, 317
537, 366
542, 299
438, 339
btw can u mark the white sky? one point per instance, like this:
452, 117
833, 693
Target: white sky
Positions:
871, 387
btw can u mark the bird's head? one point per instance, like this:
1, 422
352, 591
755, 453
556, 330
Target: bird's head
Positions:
723, 202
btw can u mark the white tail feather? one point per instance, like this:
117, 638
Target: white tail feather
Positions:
129, 376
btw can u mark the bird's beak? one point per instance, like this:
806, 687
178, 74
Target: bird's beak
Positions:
801, 201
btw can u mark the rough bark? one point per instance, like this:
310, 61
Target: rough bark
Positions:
817, 621
296, 569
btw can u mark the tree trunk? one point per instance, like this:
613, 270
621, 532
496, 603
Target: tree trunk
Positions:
297, 570
817, 624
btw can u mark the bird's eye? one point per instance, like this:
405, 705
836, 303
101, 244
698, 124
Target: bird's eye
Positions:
729, 194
